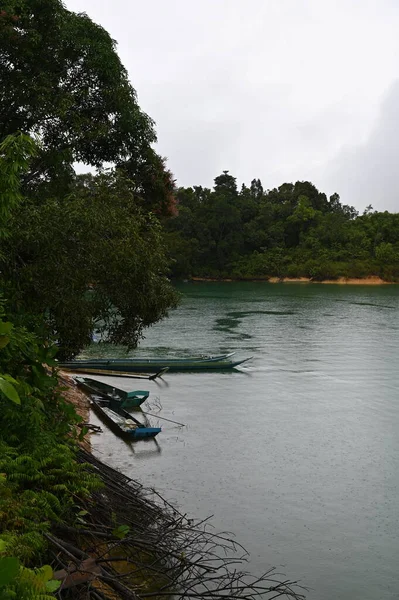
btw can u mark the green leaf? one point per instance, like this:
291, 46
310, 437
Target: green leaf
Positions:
5, 327
9, 569
8, 595
52, 351
82, 433
52, 585
51, 362
46, 573
121, 531
8, 377
3, 545
4, 339
9, 391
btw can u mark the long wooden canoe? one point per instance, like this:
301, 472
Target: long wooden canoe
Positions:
108, 372
152, 362
130, 366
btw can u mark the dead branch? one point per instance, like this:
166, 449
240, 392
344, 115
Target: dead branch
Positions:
163, 554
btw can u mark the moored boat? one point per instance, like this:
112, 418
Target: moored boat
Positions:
116, 396
123, 423
110, 372
153, 362
132, 365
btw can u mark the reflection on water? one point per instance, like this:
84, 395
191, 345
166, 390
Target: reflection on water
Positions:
147, 449
297, 453
226, 324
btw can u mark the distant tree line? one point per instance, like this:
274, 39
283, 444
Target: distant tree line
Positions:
290, 231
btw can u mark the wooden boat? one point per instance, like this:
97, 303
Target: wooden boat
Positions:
116, 396
131, 365
147, 362
109, 372
121, 422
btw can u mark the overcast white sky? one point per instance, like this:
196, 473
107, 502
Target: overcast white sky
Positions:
283, 90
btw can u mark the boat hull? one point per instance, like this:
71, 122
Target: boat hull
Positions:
155, 363
108, 373
116, 396
132, 367
113, 420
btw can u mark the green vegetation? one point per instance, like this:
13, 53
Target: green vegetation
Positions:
81, 253
291, 231
92, 260
40, 481
76, 254
62, 80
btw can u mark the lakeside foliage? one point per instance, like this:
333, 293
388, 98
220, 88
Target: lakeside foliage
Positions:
75, 253
87, 252
61, 79
92, 260
40, 481
290, 231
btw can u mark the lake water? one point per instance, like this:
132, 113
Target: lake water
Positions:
298, 453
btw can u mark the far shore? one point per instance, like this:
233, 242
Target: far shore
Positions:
372, 280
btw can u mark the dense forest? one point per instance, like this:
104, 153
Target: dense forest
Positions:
290, 231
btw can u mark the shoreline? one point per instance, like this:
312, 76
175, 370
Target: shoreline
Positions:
121, 513
371, 280
79, 400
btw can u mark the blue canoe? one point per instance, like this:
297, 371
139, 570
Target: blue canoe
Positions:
121, 422
126, 427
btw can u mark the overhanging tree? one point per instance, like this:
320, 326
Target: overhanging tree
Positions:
92, 260
62, 80
86, 252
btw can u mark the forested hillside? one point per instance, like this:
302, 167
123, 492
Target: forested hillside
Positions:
290, 231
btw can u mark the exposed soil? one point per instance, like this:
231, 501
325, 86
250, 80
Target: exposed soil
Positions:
80, 401
371, 280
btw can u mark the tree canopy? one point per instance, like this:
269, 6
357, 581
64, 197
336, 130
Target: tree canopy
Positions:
80, 252
62, 80
92, 260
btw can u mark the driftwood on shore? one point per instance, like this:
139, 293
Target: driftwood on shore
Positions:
130, 543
